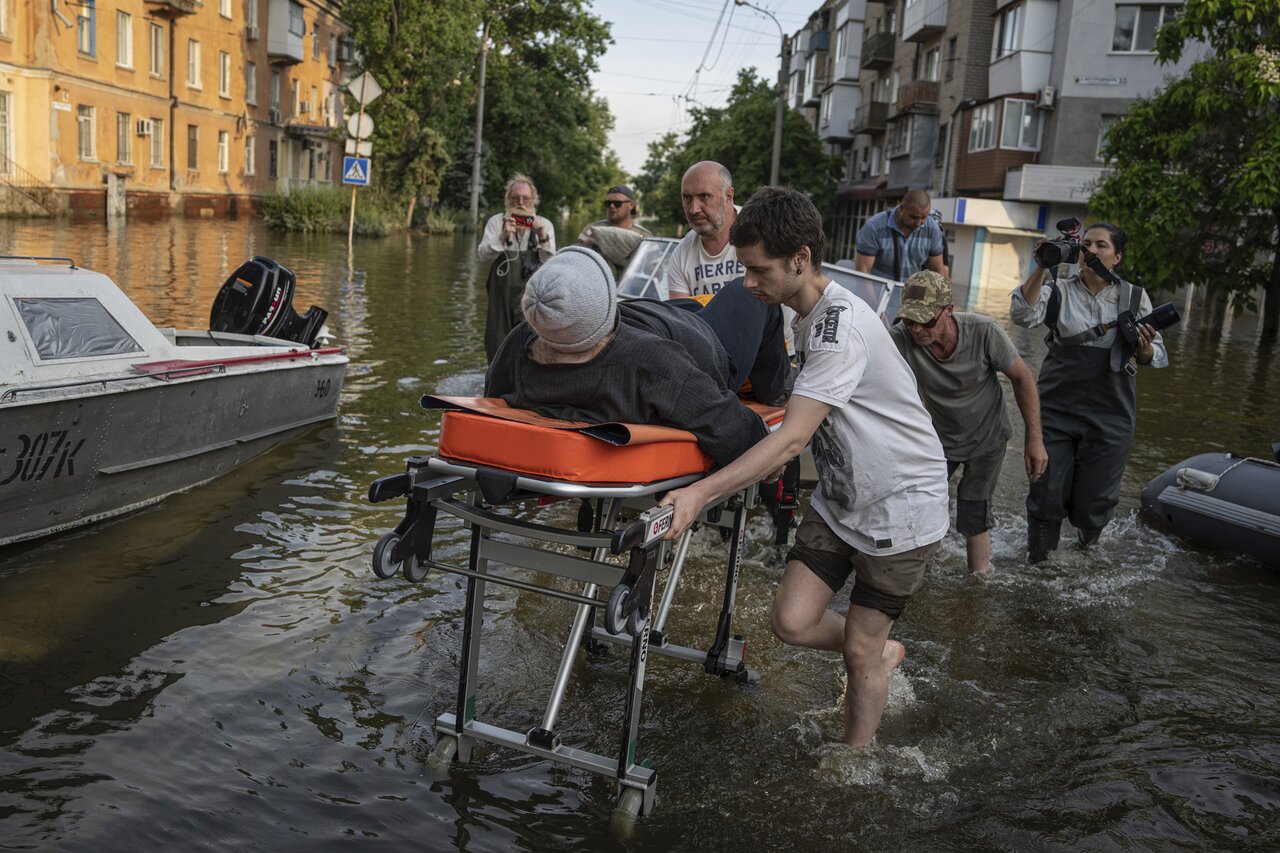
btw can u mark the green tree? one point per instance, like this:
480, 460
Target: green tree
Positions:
740, 136
1197, 167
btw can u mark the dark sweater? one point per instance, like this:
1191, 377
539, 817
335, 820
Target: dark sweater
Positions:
663, 366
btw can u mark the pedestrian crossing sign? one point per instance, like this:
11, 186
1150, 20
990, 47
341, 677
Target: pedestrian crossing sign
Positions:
355, 171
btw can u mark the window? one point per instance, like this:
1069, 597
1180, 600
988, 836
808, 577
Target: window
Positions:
1021, 131
940, 147
875, 161
84, 133
898, 139
124, 39
76, 327
951, 58
1008, 30
250, 164
297, 97
224, 141
1136, 27
224, 74
157, 50
931, 64
6, 135
275, 90
4, 17
273, 159
982, 127
311, 104
193, 64
297, 24
157, 143
842, 41
87, 28
315, 43
124, 138
893, 92
1104, 128
825, 110
193, 147
251, 12
333, 50
224, 8
251, 82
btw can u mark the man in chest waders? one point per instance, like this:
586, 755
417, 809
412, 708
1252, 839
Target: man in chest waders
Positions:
1088, 391
515, 243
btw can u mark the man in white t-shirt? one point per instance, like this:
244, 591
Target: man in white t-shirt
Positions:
880, 509
705, 260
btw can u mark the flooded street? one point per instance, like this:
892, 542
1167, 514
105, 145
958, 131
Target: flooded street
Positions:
224, 671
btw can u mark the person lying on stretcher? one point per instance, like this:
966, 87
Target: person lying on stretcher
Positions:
582, 356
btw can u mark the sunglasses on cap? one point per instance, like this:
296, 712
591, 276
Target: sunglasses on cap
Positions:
609, 202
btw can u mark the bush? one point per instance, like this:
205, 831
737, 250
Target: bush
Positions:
326, 209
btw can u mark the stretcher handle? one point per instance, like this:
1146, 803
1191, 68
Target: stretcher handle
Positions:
651, 526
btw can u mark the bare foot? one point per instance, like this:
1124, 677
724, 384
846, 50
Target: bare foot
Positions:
893, 654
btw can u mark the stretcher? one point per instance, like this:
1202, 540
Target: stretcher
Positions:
494, 467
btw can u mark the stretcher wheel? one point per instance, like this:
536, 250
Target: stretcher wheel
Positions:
630, 801
414, 570
635, 622
614, 622
382, 565
446, 749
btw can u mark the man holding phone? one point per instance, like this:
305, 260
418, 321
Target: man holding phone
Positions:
515, 243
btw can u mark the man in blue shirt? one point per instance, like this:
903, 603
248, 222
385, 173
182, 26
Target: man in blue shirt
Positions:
896, 243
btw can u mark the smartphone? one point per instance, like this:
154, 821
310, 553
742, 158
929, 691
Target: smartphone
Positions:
522, 221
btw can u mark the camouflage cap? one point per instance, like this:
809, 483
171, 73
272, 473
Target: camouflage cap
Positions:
924, 295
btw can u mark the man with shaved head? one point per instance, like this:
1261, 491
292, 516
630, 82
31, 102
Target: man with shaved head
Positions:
705, 260
897, 243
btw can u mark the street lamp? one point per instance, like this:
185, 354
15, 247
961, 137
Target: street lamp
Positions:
784, 71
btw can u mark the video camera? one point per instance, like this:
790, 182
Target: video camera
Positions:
1065, 250
1160, 318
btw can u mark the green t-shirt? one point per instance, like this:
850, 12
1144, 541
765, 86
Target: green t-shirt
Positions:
962, 392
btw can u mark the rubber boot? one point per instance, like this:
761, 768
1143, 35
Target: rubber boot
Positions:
1086, 536
1042, 537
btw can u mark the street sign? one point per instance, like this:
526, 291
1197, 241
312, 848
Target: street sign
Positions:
360, 126
355, 171
364, 89
360, 149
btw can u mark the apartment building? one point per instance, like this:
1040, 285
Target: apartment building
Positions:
168, 105
998, 107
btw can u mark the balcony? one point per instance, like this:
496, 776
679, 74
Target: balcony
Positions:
1063, 184
918, 96
923, 19
870, 118
285, 29
877, 50
818, 41
171, 8
813, 92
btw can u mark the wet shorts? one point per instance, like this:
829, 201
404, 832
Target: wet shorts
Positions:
881, 583
973, 495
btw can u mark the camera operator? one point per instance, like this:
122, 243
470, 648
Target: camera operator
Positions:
1088, 392
516, 242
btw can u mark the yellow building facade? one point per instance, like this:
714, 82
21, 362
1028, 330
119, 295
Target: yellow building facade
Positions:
169, 105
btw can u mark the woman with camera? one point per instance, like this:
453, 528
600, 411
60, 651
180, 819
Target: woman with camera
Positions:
515, 243
1088, 393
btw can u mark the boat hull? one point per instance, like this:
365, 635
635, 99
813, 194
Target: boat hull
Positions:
1234, 507
71, 460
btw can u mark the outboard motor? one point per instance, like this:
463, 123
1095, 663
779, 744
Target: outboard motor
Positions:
258, 300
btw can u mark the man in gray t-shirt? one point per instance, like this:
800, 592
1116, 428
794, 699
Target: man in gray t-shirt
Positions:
955, 358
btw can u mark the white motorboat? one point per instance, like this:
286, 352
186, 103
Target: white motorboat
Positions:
102, 413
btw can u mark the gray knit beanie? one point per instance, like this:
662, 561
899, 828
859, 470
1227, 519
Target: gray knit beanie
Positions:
571, 301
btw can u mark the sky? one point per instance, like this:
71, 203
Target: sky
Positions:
669, 55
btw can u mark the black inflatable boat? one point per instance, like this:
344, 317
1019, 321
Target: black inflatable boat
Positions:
1223, 501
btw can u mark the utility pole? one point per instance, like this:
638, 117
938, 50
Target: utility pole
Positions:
475, 156
784, 71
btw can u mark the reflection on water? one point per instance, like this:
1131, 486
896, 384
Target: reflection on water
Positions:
224, 669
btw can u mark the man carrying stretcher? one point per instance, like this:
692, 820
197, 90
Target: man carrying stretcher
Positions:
580, 355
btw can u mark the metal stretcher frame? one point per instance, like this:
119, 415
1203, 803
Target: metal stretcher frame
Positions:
433, 485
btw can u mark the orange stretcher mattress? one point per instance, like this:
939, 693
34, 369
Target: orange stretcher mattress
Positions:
486, 431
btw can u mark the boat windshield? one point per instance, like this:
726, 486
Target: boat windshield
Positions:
73, 328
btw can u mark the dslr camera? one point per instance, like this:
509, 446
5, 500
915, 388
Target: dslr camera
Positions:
522, 221
1064, 250
1160, 318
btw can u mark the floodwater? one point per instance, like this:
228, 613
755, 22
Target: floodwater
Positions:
223, 671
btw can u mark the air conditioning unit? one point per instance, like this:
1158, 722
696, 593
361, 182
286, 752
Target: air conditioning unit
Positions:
251, 33
146, 127
273, 115
1046, 99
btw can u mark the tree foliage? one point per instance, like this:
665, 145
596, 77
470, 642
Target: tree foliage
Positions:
1197, 167
740, 136
540, 116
